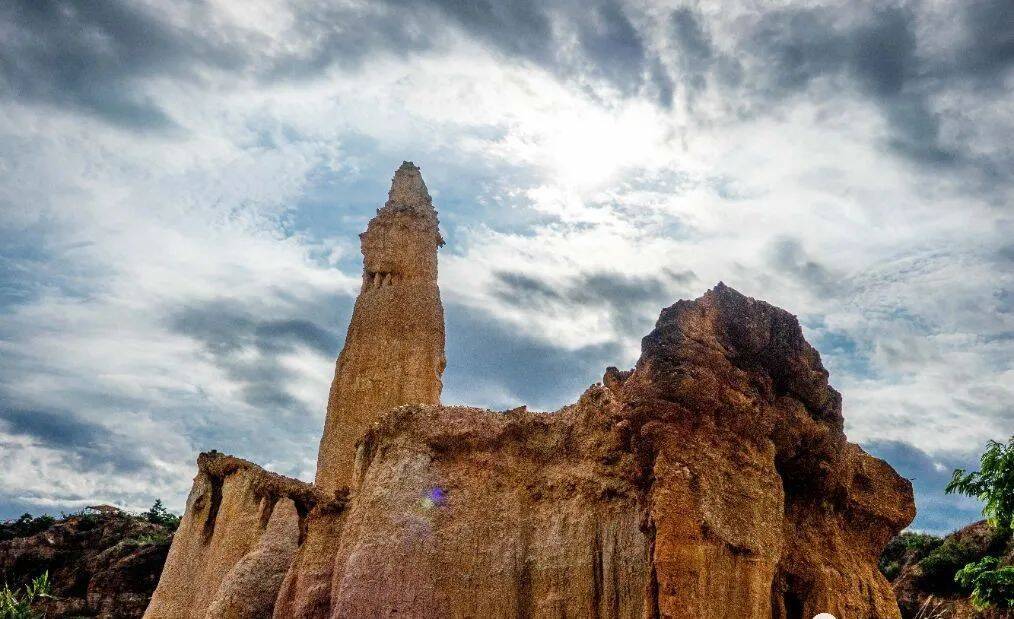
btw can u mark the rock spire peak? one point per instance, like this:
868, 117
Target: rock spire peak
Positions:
408, 191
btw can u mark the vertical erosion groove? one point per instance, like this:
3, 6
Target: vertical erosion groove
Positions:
303, 511
614, 577
216, 503
267, 508
651, 589
596, 561
524, 596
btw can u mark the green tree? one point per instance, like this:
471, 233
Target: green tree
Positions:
25, 526
992, 583
158, 514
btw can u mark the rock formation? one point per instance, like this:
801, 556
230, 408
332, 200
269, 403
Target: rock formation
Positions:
712, 480
394, 349
235, 541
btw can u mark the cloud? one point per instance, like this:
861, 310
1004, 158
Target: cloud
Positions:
875, 50
989, 47
181, 188
516, 28
491, 364
87, 56
102, 58
937, 513
623, 296
52, 428
788, 256
93, 447
252, 351
575, 40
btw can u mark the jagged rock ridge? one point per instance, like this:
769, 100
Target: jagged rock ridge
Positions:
712, 480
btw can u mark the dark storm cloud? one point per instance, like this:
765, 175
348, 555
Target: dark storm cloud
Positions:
277, 335
609, 46
988, 49
624, 296
95, 56
613, 45
874, 53
88, 55
333, 34
787, 256
518, 28
801, 45
938, 513
92, 446
487, 356
695, 56
224, 328
228, 331
879, 52
694, 46
54, 429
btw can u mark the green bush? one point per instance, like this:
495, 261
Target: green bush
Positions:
890, 570
991, 583
85, 519
940, 566
993, 484
920, 543
25, 526
17, 603
908, 546
160, 537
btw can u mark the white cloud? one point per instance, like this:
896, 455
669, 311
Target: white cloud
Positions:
896, 268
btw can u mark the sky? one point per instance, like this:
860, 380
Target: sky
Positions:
182, 185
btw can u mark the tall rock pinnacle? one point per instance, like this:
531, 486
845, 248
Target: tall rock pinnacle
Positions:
394, 350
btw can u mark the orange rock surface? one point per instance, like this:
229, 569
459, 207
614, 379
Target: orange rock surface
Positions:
235, 542
394, 349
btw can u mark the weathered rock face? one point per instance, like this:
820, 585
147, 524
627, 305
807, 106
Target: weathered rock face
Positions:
100, 564
712, 480
394, 350
241, 528
730, 391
